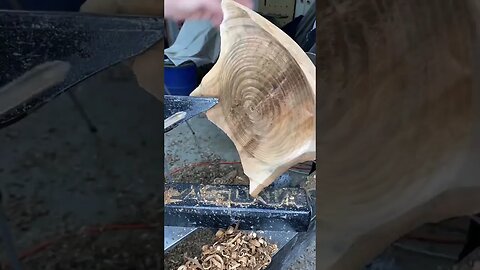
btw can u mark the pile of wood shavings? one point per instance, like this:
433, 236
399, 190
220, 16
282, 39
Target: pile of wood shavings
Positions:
233, 250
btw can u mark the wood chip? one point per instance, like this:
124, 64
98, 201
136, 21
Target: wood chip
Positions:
220, 233
233, 250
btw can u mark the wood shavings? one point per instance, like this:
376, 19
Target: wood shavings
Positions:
169, 194
233, 250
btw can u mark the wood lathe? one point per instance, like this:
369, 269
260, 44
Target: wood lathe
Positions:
261, 94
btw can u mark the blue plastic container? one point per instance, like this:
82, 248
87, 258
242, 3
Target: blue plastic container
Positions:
180, 80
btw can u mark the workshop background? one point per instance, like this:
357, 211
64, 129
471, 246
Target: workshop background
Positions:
199, 152
57, 176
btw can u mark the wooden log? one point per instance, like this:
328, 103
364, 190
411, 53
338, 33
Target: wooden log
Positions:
266, 89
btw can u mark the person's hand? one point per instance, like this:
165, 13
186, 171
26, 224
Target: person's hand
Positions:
180, 10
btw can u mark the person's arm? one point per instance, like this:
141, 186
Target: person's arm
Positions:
180, 10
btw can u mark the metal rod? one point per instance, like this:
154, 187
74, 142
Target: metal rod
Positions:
190, 127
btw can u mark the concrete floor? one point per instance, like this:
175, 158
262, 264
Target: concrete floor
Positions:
56, 176
183, 147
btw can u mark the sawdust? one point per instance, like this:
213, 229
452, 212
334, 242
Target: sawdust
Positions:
233, 249
191, 247
310, 184
213, 173
169, 193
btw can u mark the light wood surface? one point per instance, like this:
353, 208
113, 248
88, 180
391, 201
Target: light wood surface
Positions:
398, 122
266, 89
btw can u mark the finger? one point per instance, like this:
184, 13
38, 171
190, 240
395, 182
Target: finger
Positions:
199, 15
216, 17
210, 11
213, 8
247, 3
216, 20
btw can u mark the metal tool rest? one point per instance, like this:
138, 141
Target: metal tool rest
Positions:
284, 216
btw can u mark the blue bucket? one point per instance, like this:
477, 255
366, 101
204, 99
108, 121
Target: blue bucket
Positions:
180, 80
